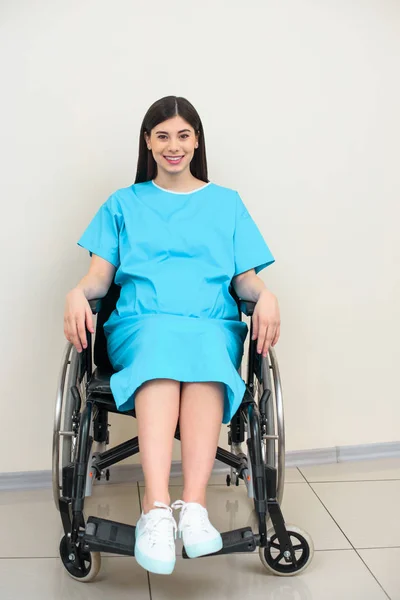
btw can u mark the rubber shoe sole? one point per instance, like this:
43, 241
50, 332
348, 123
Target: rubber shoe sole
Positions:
204, 548
152, 565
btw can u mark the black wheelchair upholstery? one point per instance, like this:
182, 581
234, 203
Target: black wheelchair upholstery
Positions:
99, 384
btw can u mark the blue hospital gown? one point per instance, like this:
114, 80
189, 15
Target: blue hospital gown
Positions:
175, 255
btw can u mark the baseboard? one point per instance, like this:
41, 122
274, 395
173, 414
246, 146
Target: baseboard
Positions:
22, 480
317, 456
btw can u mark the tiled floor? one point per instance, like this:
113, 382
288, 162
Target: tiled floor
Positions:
351, 511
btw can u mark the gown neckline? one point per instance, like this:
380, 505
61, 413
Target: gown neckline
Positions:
180, 193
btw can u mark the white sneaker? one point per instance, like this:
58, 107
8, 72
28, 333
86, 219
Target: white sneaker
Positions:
155, 536
199, 536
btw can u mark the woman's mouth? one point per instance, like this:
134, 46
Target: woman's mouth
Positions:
173, 160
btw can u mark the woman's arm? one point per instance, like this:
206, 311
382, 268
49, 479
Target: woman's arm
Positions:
248, 285
78, 314
266, 317
98, 279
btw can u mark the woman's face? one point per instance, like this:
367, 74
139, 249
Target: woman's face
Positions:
172, 143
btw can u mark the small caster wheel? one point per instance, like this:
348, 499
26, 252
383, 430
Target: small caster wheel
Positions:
274, 559
81, 564
108, 475
228, 480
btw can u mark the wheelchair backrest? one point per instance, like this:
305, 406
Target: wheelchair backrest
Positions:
108, 304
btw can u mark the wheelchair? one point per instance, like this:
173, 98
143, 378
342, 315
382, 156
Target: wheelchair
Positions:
80, 457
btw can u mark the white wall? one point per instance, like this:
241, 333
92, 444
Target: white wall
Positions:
300, 104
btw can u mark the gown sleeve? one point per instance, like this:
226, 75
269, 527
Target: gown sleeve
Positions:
101, 237
250, 248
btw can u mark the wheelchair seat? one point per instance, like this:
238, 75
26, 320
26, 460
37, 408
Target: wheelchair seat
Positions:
99, 391
99, 384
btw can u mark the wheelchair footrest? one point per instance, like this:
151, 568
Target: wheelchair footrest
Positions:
237, 540
102, 535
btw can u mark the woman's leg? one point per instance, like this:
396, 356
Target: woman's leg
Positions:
157, 410
200, 425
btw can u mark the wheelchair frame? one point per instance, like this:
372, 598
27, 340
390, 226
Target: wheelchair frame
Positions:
260, 415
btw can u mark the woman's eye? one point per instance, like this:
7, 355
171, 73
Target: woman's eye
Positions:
161, 137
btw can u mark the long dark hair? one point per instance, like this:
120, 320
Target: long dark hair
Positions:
163, 109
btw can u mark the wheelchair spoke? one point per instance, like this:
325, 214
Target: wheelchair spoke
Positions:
81, 562
275, 545
277, 559
298, 547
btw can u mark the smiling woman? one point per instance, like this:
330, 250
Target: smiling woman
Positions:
173, 158
174, 146
174, 242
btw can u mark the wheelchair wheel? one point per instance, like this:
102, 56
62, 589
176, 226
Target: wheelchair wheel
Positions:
81, 564
268, 377
275, 561
64, 435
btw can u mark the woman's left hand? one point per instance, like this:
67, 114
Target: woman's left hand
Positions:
266, 322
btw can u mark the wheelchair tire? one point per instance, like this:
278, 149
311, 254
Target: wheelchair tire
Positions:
274, 446
271, 556
81, 565
64, 440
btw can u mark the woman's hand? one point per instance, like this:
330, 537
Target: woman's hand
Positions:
266, 322
77, 316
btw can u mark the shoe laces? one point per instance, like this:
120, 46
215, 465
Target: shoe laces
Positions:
153, 527
192, 513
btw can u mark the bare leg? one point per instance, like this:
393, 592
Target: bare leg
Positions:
157, 410
200, 425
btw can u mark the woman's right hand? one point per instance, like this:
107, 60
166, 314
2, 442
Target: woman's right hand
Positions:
77, 317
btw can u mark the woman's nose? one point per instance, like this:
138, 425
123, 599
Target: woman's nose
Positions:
173, 146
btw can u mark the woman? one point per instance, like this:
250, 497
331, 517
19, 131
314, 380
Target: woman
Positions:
175, 243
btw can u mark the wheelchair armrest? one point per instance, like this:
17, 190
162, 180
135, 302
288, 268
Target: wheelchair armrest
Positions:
95, 305
247, 307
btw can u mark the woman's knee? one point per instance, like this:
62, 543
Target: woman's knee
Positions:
157, 387
156, 383
217, 385
203, 388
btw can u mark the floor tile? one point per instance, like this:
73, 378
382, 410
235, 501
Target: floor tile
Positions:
230, 508
47, 579
361, 470
366, 511
384, 564
331, 575
30, 525
114, 502
293, 475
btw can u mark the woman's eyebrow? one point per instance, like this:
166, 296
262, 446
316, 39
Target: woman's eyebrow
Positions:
181, 131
